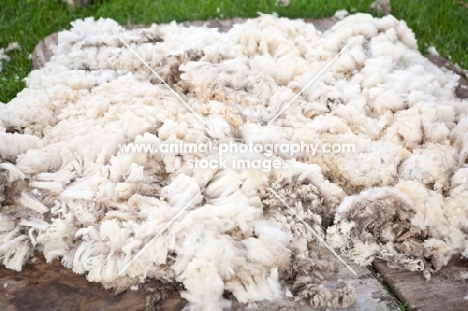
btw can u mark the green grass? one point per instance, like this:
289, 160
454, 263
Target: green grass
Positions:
402, 306
435, 22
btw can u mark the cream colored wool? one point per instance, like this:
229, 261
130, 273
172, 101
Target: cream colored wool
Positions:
69, 192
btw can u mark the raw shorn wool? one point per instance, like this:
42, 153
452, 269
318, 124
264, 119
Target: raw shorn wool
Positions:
69, 191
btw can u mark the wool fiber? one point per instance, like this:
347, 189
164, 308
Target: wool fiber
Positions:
71, 192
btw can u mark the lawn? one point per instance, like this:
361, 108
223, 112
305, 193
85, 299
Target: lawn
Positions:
436, 22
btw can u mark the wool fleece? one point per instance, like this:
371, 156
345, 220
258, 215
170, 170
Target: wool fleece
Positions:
71, 189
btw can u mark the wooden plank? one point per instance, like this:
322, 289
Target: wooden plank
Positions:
52, 287
443, 292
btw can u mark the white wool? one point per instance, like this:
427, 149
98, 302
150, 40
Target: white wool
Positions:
455, 210
459, 135
363, 253
33, 162
136, 173
181, 191
12, 145
268, 247
15, 254
81, 189
37, 228
81, 197
13, 172
434, 164
223, 184
53, 187
27, 201
13, 46
63, 176
427, 203
340, 14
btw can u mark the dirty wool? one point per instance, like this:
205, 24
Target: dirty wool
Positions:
70, 191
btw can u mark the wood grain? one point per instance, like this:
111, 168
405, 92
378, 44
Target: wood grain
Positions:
52, 287
441, 293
